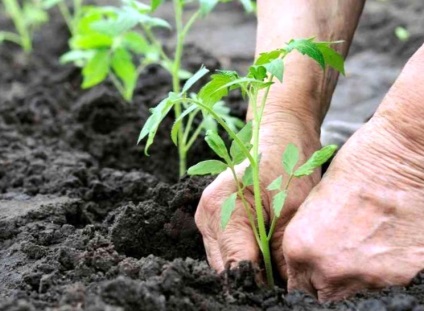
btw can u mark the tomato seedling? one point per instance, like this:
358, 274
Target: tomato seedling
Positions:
267, 70
26, 17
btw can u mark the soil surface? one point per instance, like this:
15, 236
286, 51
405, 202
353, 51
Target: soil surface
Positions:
87, 222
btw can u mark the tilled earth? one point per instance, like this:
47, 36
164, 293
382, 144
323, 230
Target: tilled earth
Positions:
87, 222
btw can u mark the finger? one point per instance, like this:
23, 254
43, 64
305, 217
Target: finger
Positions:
237, 242
277, 251
213, 254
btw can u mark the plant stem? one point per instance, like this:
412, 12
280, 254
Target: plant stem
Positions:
257, 190
178, 8
246, 206
176, 83
66, 16
14, 10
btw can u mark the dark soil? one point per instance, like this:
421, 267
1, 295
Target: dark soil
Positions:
88, 222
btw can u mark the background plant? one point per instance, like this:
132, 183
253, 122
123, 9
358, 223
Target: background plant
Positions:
245, 143
27, 16
71, 17
118, 43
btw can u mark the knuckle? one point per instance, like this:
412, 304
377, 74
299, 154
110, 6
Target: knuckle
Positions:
297, 247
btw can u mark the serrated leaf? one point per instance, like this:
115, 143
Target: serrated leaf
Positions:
124, 68
216, 143
276, 184
278, 203
245, 135
196, 77
276, 68
316, 160
209, 167
307, 47
96, 69
227, 210
267, 57
331, 57
290, 158
247, 178
212, 92
158, 114
135, 42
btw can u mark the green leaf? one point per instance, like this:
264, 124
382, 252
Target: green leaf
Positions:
247, 178
196, 77
316, 160
276, 184
267, 57
276, 68
307, 47
158, 114
216, 143
206, 6
96, 69
331, 57
257, 72
290, 158
212, 92
125, 70
91, 41
227, 210
278, 203
155, 4
234, 123
209, 167
177, 124
135, 42
245, 135
77, 56
116, 26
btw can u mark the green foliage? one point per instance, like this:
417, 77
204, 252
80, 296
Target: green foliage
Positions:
227, 209
209, 167
115, 44
316, 160
27, 16
321, 52
245, 143
290, 158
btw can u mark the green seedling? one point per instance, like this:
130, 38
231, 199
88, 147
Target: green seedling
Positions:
27, 16
244, 145
118, 43
108, 42
71, 18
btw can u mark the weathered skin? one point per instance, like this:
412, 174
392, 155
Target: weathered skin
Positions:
361, 227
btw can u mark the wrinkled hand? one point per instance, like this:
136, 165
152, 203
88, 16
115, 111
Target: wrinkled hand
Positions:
237, 241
